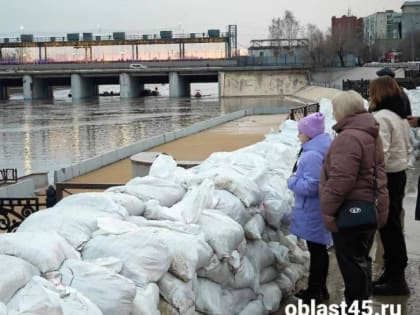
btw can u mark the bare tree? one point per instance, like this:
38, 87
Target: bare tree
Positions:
286, 27
316, 44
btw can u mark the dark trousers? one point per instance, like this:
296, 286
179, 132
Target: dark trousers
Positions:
352, 252
318, 269
395, 250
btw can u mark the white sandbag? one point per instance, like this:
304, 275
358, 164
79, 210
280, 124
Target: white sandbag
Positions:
281, 253
272, 296
167, 309
44, 250
260, 256
132, 204
177, 293
231, 205
75, 217
91, 201
147, 300
298, 256
188, 210
236, 300
111, 292
37, 297
221, 273
76, 227
75, 303
254, 308
240, 186
208, 297
270, 235
254, 228
15, 273
276, 211
285, 284
268, 274
222, 233
145, 256
194, 229
212, 299
3, 309
248, 164
115, 227
146, 188
189, 251
112, 263
163, 166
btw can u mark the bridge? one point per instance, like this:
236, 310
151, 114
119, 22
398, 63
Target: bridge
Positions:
38, 80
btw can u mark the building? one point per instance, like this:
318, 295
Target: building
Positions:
349, 27
279, 51
382, 26
410, 20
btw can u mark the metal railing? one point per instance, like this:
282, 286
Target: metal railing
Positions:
64, 187
302, 111
14, 210
8, 175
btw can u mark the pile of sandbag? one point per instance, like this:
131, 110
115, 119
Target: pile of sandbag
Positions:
209, 240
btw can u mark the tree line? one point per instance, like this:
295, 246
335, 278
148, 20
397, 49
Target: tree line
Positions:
324, 49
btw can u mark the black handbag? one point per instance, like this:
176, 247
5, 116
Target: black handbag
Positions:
358, 215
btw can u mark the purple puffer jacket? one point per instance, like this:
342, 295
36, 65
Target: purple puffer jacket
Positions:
306, 218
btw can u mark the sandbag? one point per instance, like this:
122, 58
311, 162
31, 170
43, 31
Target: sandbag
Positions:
146, 188
132, 204
222, 233
44, 250
145, 256
15, 273
254, 228
231, 205
177, 293
147, 300
254, 308
272, 296
111, 292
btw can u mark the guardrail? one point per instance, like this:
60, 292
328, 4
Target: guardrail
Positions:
8, 175
14, 210
65, 187
302, 111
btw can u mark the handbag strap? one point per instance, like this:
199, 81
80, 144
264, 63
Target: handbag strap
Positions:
297, 159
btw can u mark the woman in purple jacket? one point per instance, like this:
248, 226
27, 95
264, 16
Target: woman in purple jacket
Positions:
306, 219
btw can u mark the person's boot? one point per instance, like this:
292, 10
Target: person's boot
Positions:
382, 278
394, 285
310, 294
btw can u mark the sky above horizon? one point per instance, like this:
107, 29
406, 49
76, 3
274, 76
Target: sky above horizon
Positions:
54, 17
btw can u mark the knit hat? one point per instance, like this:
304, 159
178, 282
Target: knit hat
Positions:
312, 125
385, 71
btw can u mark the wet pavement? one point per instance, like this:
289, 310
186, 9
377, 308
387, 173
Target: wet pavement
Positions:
409, 305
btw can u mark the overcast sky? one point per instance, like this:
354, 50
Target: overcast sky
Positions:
53, 17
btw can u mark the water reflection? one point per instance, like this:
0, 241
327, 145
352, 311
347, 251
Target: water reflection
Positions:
42, 136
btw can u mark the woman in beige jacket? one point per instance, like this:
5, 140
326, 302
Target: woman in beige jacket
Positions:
387, 105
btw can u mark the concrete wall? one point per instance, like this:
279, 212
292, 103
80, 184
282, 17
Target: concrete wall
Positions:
261, 83
86, 166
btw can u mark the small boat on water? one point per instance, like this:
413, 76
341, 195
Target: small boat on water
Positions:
197, 93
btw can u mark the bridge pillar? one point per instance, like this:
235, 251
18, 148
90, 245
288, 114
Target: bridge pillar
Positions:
130, 86
34, 88
82, 87
178, 86
3, 92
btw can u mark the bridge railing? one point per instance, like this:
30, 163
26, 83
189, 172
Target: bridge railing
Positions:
298, 113
8, 175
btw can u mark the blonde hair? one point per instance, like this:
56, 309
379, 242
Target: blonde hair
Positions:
348, 103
